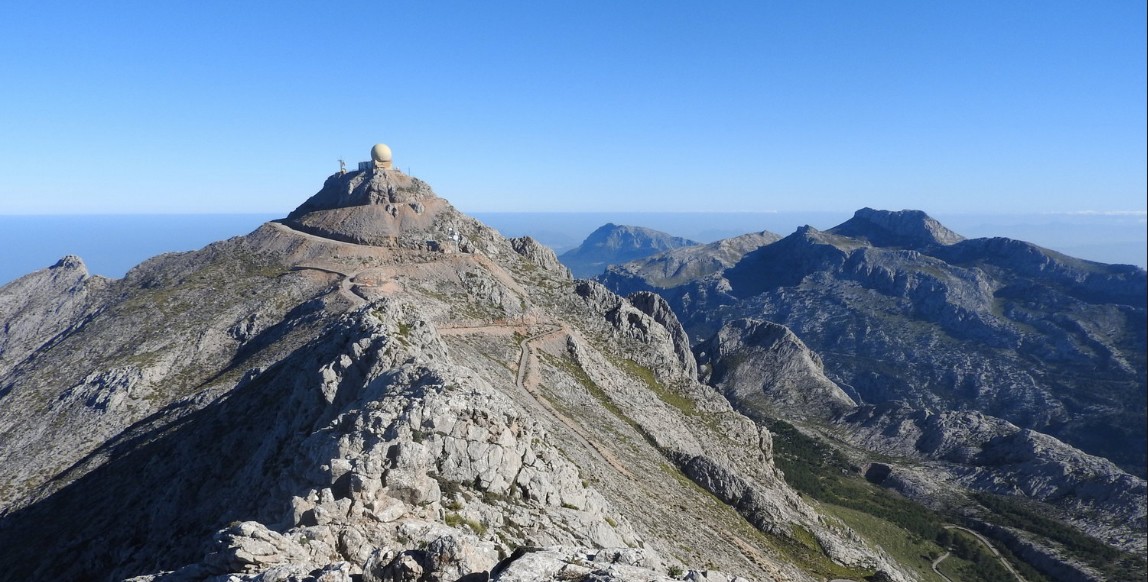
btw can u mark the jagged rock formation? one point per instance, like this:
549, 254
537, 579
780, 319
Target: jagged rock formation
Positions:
48, 303
613, 244
378, 387
681, 265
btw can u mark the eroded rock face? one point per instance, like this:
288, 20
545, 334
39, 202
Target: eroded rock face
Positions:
42, 305
762, 366
538, 254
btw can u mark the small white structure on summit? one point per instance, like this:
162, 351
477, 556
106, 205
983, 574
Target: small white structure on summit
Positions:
380, 159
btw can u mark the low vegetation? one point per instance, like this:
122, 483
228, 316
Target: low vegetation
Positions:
918, 534
1113, 563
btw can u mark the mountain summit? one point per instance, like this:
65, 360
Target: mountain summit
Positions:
904, 228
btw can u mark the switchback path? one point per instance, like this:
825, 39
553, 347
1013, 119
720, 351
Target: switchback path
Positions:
526, 379
991, 548
528, 382
937, 562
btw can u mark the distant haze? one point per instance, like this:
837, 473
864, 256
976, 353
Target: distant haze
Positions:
112, 244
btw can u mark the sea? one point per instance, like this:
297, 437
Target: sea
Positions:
110, 245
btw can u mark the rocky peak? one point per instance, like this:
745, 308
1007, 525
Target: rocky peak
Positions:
902, 228
385, 207
371, 187
71, 262
37, 307
789, 260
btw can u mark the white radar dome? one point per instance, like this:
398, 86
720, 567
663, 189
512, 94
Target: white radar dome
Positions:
381, 153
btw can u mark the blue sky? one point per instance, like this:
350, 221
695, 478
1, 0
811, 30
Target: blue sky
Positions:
577, 106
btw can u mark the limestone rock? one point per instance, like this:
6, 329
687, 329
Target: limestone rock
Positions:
40, 306
904, 228
762, 366
538, 254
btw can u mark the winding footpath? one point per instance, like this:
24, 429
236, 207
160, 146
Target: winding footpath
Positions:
987, 544
526, 382
937, 562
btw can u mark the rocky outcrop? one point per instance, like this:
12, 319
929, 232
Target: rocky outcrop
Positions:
654, 306
766, 371
39, 307
613, 244
538, 254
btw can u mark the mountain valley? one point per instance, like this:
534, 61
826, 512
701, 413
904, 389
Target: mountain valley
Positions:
951, 370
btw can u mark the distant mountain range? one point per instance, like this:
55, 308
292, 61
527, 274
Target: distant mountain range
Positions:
612, 243
1033, 336
990, 366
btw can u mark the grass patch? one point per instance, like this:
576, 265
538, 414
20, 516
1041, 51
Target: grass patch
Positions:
455, 520
646, 376
912, 552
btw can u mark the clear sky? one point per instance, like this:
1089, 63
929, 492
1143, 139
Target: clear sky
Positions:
210, 106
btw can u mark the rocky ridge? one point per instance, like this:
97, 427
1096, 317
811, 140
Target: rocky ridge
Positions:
379, 388
678, 266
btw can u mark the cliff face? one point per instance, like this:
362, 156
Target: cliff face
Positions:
378, 387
